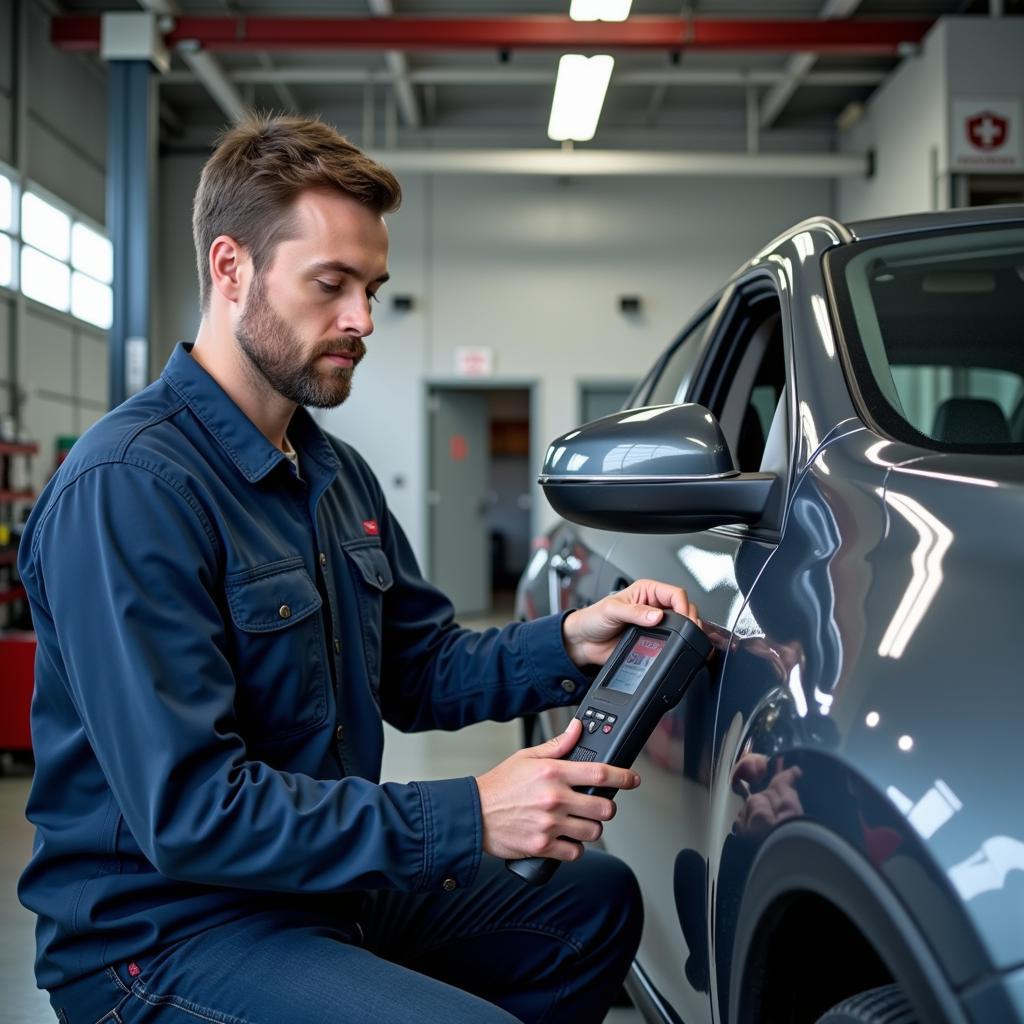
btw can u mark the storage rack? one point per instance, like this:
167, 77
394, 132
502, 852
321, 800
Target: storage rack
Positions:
11, 497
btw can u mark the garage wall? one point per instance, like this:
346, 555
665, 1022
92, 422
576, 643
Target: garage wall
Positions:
908, 118
532, 267
61, 362
905, 126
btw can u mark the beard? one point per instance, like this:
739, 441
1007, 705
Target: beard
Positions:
275, 355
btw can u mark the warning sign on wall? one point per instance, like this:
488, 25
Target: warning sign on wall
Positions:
985, 135
474, 362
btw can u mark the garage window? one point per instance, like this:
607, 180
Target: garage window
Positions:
931, 327
6, 230
66, 263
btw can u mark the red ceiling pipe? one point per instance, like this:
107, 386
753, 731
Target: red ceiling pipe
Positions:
249, 34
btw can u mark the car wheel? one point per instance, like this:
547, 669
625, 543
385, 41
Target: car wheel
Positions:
885, 1005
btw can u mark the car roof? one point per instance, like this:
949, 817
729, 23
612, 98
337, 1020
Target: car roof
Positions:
909, 224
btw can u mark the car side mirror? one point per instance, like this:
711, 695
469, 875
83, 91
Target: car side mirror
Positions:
663, 469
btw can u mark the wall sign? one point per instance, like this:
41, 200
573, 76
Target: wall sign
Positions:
985, 135
474, 362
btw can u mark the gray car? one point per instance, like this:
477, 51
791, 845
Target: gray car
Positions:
830, 460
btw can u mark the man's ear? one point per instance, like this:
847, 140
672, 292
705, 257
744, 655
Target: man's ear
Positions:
227, 259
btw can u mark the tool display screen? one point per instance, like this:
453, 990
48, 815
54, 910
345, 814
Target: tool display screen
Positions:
635, 665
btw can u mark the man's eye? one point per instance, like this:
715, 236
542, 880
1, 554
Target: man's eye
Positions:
326, 286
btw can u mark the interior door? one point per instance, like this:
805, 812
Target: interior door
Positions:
458, 497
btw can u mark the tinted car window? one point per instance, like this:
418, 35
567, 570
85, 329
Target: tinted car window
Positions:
676, 369
933, 333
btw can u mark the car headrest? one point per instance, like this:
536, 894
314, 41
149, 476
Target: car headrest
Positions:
970, 421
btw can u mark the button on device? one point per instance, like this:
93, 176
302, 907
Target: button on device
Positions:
589, 713
284, 611
606, 728
568, 685
611, 719
449, 884
339, 733
592, 726
599, 715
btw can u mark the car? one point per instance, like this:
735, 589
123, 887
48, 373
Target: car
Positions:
830, 460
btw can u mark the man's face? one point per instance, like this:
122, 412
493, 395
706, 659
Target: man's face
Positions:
305, 316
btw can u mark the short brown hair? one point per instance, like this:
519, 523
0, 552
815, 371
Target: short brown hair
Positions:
257, 171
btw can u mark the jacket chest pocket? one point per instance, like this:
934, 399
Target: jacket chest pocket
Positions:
281, 683
372, 579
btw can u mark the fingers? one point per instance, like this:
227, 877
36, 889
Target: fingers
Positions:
652, 596
598, 775
558, 746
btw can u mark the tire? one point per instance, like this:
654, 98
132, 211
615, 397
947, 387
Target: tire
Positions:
885, 1005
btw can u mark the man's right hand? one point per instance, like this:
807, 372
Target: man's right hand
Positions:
529, 805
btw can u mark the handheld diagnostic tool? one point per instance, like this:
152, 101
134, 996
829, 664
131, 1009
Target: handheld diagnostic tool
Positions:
647, 675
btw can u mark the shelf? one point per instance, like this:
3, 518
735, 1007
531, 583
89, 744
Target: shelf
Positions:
12, 448
14, 594
9, 496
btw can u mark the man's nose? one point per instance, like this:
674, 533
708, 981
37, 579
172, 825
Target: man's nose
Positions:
356, 318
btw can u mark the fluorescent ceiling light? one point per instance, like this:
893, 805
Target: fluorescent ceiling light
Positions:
600, 10
579, 95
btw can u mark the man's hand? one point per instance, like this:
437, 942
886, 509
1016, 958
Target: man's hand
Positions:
590, 634
529, 804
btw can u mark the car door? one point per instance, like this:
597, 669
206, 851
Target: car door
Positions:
742, 375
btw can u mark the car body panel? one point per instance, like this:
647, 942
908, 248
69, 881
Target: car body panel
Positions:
865, 658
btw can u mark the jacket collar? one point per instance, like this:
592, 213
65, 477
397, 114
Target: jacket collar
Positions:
240, 438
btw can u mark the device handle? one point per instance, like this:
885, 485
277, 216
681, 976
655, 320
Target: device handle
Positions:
535, 870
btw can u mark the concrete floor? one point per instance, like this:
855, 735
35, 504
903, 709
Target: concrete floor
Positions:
423, 756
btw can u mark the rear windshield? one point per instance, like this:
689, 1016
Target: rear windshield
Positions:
934, 331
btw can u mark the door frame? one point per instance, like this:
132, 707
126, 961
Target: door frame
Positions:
530, 385
597, 383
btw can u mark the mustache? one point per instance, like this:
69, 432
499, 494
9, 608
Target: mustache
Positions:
351, 348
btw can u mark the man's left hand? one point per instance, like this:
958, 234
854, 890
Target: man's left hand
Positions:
591, 633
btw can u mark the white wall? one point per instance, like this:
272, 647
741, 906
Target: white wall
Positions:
908, 119
905, 125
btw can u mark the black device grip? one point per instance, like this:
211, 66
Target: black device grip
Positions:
538, 870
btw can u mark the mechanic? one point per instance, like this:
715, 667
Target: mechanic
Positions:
226, 610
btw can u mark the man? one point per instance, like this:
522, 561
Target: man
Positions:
226, 610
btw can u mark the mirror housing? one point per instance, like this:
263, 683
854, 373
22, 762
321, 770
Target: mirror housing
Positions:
662, 469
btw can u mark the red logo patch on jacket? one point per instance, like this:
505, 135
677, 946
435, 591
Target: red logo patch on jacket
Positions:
371, 527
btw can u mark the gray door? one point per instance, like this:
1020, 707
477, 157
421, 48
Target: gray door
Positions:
597, 400
459, 460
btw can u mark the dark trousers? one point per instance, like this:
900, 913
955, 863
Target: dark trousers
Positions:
497, 952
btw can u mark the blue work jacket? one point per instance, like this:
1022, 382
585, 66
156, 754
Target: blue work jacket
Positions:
219, 640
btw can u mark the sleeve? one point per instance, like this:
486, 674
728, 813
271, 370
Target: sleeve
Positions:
436, 675
127, 566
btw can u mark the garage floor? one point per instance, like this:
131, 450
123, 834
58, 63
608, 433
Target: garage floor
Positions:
423, 756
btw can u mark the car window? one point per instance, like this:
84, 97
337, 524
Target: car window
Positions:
672, 376
931, 329
743, 377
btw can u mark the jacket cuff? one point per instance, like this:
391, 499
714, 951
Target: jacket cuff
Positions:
550, 662
452, 834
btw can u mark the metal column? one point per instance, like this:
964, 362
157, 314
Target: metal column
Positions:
131, 169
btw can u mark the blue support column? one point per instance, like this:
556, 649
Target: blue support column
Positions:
131, 174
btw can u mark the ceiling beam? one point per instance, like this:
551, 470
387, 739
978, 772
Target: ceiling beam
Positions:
799, 66
253, 34
332, 75
398, 65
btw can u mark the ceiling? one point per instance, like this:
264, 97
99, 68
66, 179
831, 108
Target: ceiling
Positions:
681, 100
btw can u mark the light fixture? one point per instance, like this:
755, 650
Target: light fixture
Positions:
579, 95
600, 10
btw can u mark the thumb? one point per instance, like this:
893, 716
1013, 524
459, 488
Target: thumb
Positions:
560, 745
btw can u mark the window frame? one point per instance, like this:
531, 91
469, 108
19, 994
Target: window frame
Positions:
868, 398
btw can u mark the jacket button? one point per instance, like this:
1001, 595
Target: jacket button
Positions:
449, 884
339, 733
568, 685
323, 559
284, 611
337, 647
380, 579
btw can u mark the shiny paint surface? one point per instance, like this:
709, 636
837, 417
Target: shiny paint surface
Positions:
867, 678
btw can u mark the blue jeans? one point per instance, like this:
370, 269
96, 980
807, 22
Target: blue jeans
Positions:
495, 953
